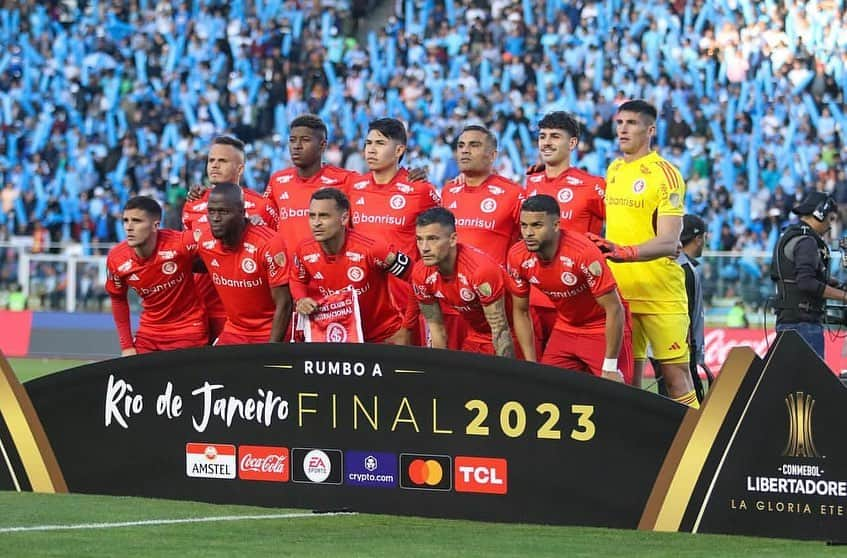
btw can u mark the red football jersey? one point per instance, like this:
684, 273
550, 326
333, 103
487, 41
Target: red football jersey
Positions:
487, 215
289, 194
361, 263
580, 196
572, 280
389, 210
164, 283
194, 213
477, 281
243, 277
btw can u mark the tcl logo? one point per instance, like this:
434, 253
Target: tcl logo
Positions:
264, 463
488, 475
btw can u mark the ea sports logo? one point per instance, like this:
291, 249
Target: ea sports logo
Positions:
248, 265
565, 195
169, 268
428, 472
335, 333
638, 186
397, 202
569, 279
488, 205
355, 273
466, 294
317, 466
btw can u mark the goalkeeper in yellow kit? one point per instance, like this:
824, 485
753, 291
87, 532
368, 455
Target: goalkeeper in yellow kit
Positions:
644, 209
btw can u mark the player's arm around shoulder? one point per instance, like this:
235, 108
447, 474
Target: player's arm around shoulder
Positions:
518, 287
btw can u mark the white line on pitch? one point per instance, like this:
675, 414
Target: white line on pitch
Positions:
147, 522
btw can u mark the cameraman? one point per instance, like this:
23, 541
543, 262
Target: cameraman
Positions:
800, 268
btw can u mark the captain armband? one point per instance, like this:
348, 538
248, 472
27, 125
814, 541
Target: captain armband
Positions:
401, 264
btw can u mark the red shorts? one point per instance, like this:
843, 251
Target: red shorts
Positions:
584, 352
543, 320
148, 343
476, 345
232, 338
216, 327
457, 330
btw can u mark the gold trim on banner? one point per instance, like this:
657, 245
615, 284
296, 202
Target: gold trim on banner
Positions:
691, 446
27, 434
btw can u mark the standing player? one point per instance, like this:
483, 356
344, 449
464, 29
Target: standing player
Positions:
464, 279
580, 196
157, 265
486, 206
224, 164
289, 190
385, 204
249, 268
644, 208
338, 257
571, 271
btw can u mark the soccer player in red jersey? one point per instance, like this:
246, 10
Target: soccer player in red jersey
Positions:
580, 196
486, 205
338, 257
248, 265
386, 202
157, 265
464, 279
290, 190
571, 271
225, 163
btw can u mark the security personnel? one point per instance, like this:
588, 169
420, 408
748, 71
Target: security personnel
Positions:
800, 269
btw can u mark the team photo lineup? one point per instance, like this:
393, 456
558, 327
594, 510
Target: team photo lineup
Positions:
569, 269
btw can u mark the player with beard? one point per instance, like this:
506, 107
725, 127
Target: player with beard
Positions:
572, 272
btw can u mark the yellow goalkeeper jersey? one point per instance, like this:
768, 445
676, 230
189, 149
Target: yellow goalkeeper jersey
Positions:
637, 193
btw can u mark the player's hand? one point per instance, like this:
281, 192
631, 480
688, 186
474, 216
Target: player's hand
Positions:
417, 174
195, 193
306, 305
604, 245
613, 375
537, 167
128, 352
613, 251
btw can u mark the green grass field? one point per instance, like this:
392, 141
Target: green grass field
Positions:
81, 525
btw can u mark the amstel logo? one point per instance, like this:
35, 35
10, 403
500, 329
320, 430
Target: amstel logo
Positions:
800, 441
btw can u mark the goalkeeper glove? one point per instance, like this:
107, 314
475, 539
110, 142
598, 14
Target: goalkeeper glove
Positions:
613, 251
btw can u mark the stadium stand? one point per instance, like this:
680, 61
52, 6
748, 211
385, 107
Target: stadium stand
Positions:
100, 101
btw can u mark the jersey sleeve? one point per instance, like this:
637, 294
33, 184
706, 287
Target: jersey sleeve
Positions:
115, 285
595, 272
599, 208
517, 283
671, 190
488, 283
268, 213
423, 293
275, 259
299, 276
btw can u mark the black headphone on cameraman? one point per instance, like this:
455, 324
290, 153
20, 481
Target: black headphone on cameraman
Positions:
824, 208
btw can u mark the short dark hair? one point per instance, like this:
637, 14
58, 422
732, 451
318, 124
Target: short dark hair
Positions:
390, 128
311, 121
341, 200
560, 120
541, 203
232, 193
640, 106
146, 204
439, 215
232, 141
489, 135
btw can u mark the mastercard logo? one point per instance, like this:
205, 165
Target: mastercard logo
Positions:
427, 472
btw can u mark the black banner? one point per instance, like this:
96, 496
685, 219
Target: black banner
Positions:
371, 428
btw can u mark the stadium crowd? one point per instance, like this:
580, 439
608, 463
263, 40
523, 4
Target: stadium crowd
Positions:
102, 101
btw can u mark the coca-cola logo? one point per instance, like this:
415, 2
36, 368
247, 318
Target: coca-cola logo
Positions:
718, 342
268, 464
264, 463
